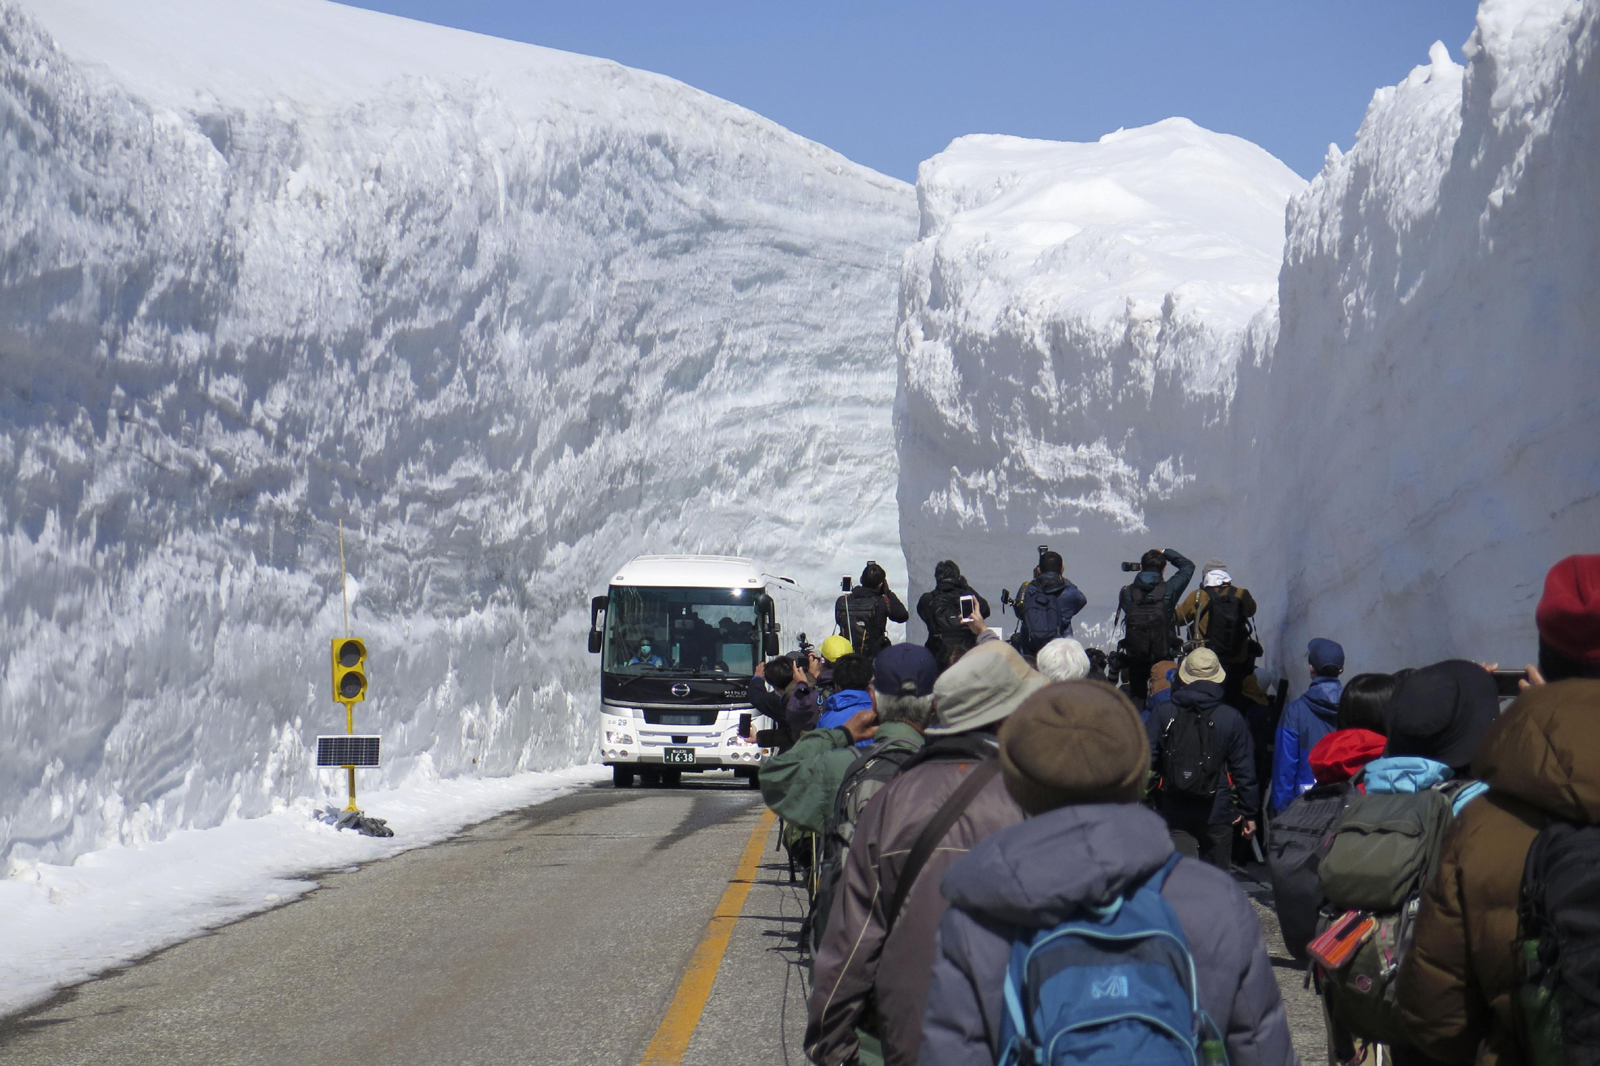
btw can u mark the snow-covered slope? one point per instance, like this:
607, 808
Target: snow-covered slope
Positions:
1429, 427
511, 314
1393, 458
1071, 321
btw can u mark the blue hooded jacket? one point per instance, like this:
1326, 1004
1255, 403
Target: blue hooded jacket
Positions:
1413, 773
1304, 722
844, 705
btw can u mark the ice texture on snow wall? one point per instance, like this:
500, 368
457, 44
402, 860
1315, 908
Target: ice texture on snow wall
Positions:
513, 315
1392, 458
1070, 326
1435, 438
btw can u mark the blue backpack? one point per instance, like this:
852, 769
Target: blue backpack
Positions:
1041, 617
1110, 987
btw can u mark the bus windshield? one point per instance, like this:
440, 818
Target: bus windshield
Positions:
682, 631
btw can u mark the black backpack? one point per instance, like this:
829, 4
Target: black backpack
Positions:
1296, 841
873, 769
1227, 629
1148, 637
946, 611
1191, 760
1041, 617
863, 619
1558, 1003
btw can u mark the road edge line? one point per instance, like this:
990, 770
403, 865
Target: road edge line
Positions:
671, 1040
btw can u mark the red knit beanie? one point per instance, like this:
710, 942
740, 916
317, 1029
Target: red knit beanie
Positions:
1569, 612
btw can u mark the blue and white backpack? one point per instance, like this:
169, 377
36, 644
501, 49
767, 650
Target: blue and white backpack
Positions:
1112, 986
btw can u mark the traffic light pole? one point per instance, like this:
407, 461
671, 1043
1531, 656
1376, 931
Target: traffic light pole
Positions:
350, 771
349, 705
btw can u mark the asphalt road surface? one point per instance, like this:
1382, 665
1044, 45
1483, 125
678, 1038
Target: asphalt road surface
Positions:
556, 934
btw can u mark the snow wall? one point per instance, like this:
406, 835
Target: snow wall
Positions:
512, 315
1392, 458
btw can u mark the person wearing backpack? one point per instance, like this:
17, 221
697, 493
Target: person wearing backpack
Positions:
902, 696
1386, 846
1530, 844
863, 614
1306, 721
1296, 835
1046, 605
1218, 615
1147, 606
1200, 749
875, 960
1090, 860
940, 611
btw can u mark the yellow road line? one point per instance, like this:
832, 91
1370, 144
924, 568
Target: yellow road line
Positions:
671, 1041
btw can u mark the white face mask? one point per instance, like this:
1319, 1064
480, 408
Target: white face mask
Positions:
644, 649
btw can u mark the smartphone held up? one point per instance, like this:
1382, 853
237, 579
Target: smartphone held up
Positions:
969, 610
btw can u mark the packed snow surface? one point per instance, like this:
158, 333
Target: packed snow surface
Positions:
1071, 320
63, 924
512, 315
1091, 355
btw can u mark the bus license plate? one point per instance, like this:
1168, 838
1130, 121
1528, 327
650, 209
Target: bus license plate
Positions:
677, 755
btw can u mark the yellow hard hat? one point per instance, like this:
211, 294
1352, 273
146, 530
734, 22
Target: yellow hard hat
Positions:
836, 646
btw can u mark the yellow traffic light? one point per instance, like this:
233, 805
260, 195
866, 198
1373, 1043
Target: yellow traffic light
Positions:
349, 670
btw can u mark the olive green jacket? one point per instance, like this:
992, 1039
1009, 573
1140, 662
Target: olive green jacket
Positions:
800, 784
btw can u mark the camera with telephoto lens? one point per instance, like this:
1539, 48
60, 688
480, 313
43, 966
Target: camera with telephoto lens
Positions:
1131, 567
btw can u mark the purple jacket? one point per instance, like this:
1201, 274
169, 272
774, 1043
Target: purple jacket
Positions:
1035, 874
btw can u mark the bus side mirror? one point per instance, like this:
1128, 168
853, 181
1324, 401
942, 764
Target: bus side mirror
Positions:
769, 625
597, 607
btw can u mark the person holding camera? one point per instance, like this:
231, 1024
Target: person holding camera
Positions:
1045, 605
865, 611
1148, 605
948, 612
1218, 615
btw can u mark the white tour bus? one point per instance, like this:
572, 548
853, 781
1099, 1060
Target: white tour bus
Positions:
678, 638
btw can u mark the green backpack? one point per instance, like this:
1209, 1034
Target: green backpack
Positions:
1384, 849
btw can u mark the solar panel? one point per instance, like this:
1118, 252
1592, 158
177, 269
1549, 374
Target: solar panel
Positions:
346, 749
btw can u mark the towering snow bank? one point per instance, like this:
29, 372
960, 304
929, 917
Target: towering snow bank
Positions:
1433, 442
511, 314
1071, 321
1394, 465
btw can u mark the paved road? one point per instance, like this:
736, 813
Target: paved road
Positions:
556, 934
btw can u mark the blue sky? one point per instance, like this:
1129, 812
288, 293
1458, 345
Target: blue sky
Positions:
889, 84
